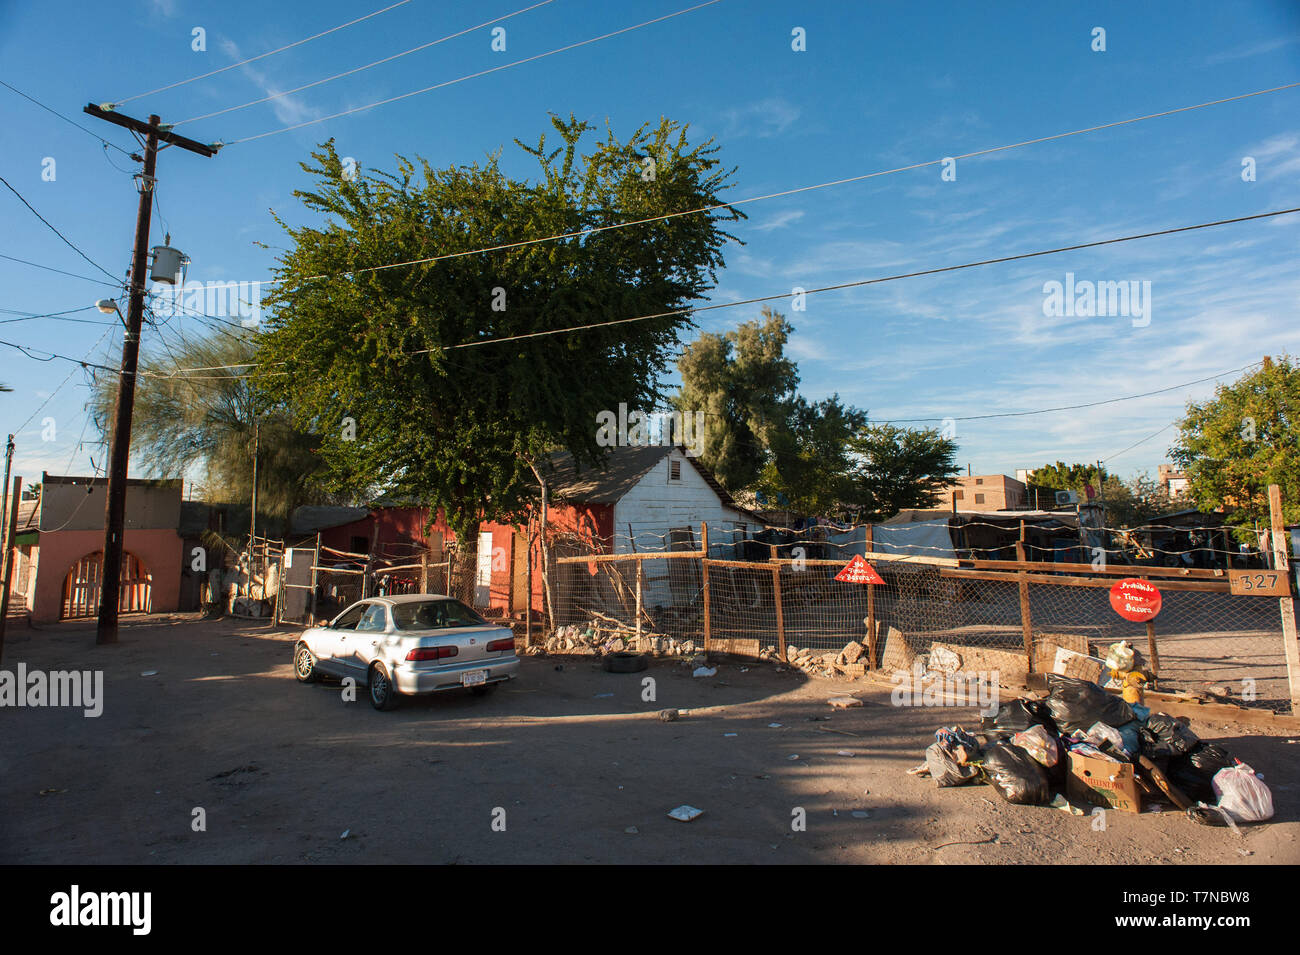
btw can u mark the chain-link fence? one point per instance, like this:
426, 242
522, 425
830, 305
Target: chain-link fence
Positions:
778, 596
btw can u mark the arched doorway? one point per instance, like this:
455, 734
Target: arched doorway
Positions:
84, 579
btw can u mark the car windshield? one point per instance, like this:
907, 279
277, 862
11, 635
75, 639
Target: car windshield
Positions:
434, 615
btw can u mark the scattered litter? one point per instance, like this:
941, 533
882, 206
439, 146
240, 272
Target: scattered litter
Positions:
52, 792
844, 702
819, 719
774, 726
149, 673
603, 696
845, 752
859, 814
705, 671
685, 813
730, 734
1245, 852
668, 716
631, 830
1063, 804
793, 756
346, 833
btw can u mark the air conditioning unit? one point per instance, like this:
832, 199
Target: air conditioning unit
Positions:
1065, 498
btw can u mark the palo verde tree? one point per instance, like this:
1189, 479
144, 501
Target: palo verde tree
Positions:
1245, 438
442, 379
209, 422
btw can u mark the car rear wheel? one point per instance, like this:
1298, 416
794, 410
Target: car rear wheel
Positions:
304, 665
383, 694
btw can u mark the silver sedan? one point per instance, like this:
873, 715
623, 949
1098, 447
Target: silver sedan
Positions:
408, 645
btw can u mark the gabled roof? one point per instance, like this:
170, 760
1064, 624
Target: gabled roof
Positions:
622, 470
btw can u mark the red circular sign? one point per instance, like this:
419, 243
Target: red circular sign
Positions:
1135, 599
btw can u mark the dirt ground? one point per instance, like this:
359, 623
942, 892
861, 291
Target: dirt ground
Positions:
577, 764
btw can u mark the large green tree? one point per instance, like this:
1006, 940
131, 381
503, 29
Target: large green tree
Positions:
207, 423
1068, 477
437, 380
1233, 446
745, 386
898, 468
810, 466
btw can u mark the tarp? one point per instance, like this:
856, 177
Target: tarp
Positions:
919, 539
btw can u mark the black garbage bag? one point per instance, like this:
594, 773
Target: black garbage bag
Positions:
1165, 736
1018, 715
1076, 704
945, 770
1194, 771
1017, 776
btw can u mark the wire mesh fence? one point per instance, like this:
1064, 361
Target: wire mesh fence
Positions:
778, 597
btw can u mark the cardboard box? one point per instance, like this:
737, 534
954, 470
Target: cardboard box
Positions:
1078, 665
1104, 782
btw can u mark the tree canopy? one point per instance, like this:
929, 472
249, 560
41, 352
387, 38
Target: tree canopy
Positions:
207, 423
1233, 446
424, 377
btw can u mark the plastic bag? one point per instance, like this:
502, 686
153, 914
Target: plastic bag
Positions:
961, 745
1021, 714
1120, 657
1194, 773
1165, 736
944, 768
1126, 739
1077, 704
1242, 794
1038, 743
1016, 775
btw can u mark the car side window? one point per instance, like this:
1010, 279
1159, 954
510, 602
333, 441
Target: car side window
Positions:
349, 618
376, 619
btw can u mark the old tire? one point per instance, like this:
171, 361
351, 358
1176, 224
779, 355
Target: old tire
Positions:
625, 662
383, 694
304, 664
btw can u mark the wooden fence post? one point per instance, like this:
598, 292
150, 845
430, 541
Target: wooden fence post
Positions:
1286, 605
1026, 624
780, 613
640, 583
704, 576
869, 545
424, 572
315, 566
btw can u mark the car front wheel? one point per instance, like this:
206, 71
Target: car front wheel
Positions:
383, 694
304, 665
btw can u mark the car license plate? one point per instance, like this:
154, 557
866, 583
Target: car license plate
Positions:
474, 677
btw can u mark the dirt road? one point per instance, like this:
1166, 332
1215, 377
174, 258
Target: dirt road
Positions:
570, 759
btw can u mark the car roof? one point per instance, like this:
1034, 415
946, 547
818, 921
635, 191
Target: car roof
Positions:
405, 598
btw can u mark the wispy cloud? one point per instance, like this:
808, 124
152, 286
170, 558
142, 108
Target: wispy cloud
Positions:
764, 118
288, 109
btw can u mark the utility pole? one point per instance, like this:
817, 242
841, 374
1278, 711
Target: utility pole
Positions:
119, 453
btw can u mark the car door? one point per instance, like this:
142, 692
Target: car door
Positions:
346, 638
331, 643
367, 639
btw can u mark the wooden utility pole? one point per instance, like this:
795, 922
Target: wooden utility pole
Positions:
1286, 605
120, 449
11, 527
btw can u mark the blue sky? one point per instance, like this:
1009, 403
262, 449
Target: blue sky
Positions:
878, 86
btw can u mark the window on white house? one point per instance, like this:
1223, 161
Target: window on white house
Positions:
674, 470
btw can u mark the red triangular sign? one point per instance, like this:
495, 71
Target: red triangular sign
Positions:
858, 571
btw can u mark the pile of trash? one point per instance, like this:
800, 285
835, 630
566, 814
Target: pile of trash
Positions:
1084, 744
850, 661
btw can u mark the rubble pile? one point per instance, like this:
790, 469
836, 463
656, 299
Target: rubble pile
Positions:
1084, 745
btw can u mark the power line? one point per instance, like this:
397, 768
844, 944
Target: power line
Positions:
83, 363
594, 230
1090, 404
47, 268
261, 56
54, 230
863, 282
48, 109
1148, 437
58, 316
495, 69
359, 69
